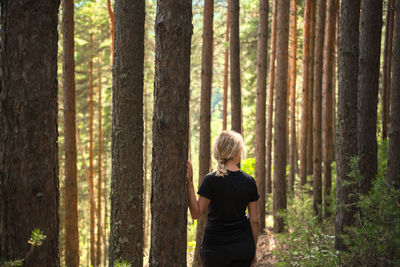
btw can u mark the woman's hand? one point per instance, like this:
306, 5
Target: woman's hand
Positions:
189, 172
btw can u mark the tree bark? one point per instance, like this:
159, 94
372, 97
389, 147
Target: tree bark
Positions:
170, 133
279, 194
29, 183
317, 107
306, 93
292, 90
226, 69
126, 236
271, 97
328, 91
347, 116
205, 114
71, 185
91, 168
236, 103
368, 87
99, 162
393, 174
387, 66
262, 55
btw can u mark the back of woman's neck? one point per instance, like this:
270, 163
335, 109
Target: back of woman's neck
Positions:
232, 166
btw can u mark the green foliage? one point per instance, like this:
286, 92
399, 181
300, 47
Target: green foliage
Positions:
307, 242
121, 263
37, 238
375, 240
248, 166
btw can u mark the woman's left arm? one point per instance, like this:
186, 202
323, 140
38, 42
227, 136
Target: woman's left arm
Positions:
196, 206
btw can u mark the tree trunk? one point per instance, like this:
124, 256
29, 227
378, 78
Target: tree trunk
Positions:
262, 54
347, 116
170, 151
29, 183
387, 66
280, 113
205, 114
328, 91
310, 121
105, 222
236, 105
271, 97
126, 237
91, 168
71, 185
393, 174
226, 69
292, 90
306, 93
368, 87
317, 107
98, 246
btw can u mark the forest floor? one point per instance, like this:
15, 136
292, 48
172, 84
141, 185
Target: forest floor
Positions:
267, 243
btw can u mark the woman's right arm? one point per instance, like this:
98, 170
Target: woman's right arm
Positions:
196, 206
255, 224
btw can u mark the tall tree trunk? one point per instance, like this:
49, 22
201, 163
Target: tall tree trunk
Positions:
236, 103
226, 69
91, 168
105, 222
306, 93
317, 107
328, 91
368, 87
205, 113
71, 185
310, 121
126, 237
387, 67
347, 116
99, 162
393, 174
29, 183
262, 55
271, 97
112, 28
292, 90
280, 113
170, 151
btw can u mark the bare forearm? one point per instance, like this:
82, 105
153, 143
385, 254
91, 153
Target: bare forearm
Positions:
255, 225
193, 205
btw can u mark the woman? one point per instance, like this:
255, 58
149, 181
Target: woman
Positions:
230, 237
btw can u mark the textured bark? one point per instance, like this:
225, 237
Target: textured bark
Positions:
91, 168
126, 236
306, 93
393, 174
347, 116
387, 67
226, 69
317, 107
292, 90
279, 193
311, 93
236, 103
368, 87
328, 91
29, 184
99, 162
170, 133
271, 97
262, 55
71, 185
205, 114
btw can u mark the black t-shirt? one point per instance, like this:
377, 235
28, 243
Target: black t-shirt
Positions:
229, 196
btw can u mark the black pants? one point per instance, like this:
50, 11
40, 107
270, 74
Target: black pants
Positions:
237, 254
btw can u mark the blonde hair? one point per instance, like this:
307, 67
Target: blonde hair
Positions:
226, 146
